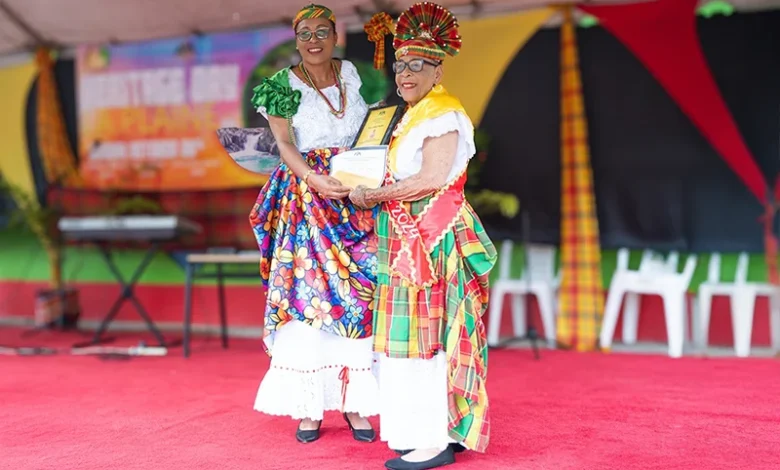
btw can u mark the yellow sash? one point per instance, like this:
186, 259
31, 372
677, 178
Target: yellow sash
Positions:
436, 103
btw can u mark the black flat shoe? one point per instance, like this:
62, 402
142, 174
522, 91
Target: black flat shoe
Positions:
456, 448
445, 457
306, 436
362, 435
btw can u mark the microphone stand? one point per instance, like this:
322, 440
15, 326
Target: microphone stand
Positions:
532, 334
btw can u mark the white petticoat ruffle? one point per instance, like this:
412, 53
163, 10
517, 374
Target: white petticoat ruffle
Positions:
307, 375
413, 403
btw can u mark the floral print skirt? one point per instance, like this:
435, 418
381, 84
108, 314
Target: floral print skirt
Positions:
319, 255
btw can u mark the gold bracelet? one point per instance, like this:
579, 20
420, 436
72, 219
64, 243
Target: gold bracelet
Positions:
306, 176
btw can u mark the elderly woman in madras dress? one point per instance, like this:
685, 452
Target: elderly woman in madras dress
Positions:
319, 265
434, 261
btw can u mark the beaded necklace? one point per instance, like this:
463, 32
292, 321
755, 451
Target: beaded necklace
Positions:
339, 113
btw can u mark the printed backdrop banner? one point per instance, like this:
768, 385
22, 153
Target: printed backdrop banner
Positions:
148, 112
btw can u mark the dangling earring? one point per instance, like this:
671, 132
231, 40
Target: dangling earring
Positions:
398, 92
437, 88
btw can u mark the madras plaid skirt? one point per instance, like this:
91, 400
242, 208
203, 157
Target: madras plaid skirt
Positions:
417, 322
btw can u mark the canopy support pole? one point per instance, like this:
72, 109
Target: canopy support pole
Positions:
20, 23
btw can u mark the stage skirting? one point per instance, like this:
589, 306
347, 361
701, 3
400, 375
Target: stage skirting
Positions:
245, 304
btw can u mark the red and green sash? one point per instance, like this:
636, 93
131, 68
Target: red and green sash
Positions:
418, 235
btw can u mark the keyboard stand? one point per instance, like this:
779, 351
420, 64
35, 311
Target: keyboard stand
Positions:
103, 232
127, 293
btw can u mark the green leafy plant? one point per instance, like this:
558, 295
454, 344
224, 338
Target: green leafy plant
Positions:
715, 8
136, 205
487, 201
42, 222
376, 84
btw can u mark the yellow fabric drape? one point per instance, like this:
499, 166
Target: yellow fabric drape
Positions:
15, 84
489, 46
59, 162
581, 294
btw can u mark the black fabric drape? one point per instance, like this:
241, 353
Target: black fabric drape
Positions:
658, 182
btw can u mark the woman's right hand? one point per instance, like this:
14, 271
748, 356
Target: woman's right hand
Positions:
328, 187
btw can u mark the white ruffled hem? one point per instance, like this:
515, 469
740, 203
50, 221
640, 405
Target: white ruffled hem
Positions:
413, 403
309, 394
307, 372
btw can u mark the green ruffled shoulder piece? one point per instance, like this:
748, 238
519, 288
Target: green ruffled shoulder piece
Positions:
277, 96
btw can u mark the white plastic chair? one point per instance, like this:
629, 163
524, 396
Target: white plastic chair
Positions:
543, 284
742, 295
654, 277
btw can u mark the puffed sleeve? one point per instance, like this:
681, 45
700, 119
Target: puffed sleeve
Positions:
275, 97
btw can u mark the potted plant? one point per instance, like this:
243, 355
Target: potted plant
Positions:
136, 205
486, 201
57, 306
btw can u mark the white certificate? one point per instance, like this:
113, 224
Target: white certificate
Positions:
363, 166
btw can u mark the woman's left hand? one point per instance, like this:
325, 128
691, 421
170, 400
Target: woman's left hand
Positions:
358, 197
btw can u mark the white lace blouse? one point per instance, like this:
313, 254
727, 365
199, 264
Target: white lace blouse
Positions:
409, 154
314, 125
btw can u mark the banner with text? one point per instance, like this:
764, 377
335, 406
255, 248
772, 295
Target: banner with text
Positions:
148, 112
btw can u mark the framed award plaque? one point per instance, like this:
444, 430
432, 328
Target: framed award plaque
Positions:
378, 126
365, 164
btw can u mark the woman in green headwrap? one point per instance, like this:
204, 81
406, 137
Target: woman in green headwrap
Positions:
319, 263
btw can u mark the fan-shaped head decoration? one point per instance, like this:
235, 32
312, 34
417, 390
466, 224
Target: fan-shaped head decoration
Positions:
427, 30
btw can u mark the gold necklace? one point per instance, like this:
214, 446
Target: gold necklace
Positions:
339, 113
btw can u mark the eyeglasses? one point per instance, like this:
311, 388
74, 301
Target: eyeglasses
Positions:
415, 65
306, 36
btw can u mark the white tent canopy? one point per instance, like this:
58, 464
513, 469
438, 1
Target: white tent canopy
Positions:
25, 24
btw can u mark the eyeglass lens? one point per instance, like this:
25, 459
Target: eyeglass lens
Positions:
415, 65
306, 36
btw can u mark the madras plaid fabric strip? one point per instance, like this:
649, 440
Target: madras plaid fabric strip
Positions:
414, 322
312, 11
59, 162
581, 294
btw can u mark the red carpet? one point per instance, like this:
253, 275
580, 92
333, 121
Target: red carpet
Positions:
567, 411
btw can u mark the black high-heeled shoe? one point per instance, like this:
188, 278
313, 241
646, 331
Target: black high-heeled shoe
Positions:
445, 457
456, 448
305, 436
362, 435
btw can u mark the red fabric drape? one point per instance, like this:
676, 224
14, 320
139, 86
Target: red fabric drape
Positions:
662, 35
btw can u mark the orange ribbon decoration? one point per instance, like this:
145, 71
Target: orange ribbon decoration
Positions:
379, 26
344, 377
